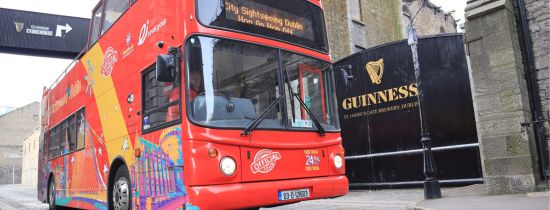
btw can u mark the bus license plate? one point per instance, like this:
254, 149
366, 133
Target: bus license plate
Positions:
293, 194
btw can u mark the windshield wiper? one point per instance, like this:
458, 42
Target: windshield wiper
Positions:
259, 119
291, 92
320, 128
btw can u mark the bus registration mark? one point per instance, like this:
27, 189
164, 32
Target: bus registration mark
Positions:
293, 194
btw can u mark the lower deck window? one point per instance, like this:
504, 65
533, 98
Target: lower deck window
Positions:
161, 101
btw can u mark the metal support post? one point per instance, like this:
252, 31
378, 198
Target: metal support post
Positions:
432, 189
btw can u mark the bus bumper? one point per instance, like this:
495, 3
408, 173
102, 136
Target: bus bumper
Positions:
255, 194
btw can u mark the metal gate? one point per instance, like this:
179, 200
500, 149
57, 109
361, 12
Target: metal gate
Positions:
380, 119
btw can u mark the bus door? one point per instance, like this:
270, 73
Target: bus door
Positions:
311, 87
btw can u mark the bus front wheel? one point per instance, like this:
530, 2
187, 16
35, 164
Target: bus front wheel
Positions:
51, 194
121, 198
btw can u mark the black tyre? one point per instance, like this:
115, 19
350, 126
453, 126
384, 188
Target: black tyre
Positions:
121, 193
51, 195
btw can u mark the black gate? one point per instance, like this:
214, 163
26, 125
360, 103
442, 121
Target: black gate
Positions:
380, 119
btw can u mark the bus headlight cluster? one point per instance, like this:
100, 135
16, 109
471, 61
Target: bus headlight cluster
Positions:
228, 166
338, 161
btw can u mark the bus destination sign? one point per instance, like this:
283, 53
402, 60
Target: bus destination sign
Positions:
251, 13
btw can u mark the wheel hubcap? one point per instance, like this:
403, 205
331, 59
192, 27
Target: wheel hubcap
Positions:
52, 195
121, 197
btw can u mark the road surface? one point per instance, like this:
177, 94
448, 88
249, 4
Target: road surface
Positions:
24, 197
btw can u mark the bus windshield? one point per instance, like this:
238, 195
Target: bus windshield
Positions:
295, 21
231, 83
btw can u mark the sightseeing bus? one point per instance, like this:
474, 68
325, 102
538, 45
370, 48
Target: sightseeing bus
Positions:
194, 104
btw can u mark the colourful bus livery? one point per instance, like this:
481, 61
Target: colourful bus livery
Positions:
183, 104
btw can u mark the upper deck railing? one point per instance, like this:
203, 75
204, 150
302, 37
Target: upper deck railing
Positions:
71, 65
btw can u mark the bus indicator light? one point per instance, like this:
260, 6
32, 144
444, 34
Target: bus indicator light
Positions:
212, 152
137, 152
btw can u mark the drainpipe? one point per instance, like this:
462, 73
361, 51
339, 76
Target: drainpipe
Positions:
533, 89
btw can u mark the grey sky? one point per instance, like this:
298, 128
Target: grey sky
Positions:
23, 77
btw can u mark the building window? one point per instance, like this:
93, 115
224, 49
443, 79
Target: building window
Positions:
161, 101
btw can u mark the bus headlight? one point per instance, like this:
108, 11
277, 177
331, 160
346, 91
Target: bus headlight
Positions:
228, 166
338, 161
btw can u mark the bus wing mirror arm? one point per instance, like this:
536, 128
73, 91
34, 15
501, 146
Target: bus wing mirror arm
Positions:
168, 66
344, 72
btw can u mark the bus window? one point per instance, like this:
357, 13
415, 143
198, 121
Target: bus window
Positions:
54, 142
71, 133
96, 23
239, 81
44, 141
80, 129
161, 101
113, 10
63, 138
309, 80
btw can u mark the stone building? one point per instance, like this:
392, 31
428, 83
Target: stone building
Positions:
29, 171
355, 25
429, 21
508, 42
15, 126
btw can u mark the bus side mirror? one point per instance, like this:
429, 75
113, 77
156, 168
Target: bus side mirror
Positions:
344, 72
166, 68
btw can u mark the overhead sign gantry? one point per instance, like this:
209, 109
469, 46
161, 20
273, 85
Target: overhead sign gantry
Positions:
32, 33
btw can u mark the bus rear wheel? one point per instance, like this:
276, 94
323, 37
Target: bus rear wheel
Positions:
121, 198
51, 195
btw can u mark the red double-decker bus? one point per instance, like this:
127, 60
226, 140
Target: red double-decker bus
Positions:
194, 104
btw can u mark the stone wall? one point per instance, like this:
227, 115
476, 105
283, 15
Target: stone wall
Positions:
336, 19
429, 21
538, 15
10, 164
355, 25
382, 20
500, 96
29, 167
15, 126
18, 124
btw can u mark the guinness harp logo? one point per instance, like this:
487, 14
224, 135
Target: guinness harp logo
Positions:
375, 70
19, 26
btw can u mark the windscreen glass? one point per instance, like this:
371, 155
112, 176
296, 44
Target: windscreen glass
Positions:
310, 81
231, 83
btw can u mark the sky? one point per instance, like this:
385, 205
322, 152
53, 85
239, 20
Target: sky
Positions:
449, 5
24, 77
